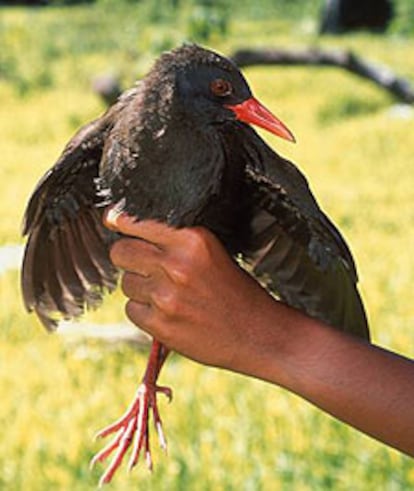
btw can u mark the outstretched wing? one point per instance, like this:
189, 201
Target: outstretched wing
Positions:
294, 247
66, 266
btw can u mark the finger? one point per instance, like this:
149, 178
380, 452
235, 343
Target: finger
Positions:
149, 230
137, 288
141, 314
112, 214
136, 256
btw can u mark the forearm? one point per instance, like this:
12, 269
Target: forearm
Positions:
185, 291
358, 383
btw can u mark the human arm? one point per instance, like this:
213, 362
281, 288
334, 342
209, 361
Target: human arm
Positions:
186, 291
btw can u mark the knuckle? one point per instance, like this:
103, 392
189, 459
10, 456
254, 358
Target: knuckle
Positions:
180, 272
198, 241
167, 302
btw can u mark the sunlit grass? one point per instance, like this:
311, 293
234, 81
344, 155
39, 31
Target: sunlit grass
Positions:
225, 432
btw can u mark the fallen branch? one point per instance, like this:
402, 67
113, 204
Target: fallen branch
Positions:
382, 76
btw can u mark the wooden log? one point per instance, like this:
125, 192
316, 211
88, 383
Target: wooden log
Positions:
347, 60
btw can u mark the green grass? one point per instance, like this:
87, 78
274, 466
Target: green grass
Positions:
225, 431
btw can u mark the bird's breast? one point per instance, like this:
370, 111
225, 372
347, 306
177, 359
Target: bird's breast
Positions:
171, 178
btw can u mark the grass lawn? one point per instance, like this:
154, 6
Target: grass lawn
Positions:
225, 432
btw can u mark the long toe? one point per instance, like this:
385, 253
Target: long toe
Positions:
133, 429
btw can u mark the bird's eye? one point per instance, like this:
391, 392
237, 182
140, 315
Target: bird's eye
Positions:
221, 87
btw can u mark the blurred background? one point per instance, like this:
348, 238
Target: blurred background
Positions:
356, 146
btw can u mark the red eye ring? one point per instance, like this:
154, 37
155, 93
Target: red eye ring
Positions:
221, 87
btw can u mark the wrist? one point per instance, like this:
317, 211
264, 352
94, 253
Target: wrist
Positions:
275, 345
265, 344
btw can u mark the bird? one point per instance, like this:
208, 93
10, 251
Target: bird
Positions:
179, 147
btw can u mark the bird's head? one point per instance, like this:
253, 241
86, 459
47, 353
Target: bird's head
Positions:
206, 86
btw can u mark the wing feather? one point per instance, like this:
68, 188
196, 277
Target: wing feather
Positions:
293, 247
66, 266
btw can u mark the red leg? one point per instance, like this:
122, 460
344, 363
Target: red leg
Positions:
133, 427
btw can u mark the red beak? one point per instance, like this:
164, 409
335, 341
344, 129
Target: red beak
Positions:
252, 112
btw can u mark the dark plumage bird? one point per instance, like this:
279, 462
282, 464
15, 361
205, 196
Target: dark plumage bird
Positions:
178, 148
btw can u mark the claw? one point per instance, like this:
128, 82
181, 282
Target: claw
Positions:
161, 436
166, 391
148, 457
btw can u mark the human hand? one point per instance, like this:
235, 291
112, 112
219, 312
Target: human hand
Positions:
187, 292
